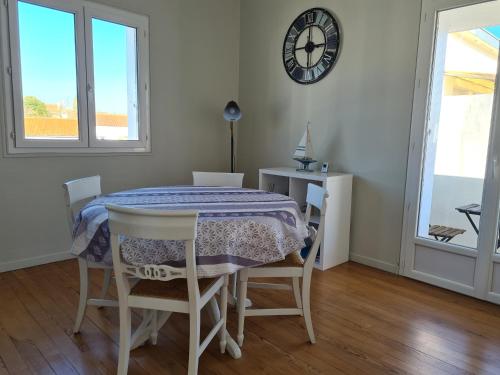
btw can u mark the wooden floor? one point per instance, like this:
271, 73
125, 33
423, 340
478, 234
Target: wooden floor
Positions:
366, 322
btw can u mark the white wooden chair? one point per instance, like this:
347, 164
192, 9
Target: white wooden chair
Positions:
292, 266
218, 179
161, 287
78, 192
221, 179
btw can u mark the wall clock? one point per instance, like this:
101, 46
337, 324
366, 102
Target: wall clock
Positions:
311, 46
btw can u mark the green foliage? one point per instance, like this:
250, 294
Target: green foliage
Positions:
34, 107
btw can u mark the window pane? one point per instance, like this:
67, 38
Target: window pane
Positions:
115, 81
48, 72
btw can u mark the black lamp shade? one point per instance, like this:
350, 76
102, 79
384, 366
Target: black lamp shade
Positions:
232, 111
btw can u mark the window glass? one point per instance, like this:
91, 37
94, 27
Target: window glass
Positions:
115, 81
48, 72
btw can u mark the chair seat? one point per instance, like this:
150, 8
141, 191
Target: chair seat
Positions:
291, 260
175, 289
443, 231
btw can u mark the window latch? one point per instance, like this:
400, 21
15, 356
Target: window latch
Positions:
13, 135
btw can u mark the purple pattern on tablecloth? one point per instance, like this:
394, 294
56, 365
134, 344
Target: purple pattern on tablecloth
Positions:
236, 228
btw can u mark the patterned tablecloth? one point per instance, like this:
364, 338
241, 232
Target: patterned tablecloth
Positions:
237, 228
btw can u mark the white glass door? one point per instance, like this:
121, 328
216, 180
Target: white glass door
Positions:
451, 212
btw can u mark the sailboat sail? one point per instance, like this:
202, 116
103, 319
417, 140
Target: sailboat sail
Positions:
304, 149
300, 151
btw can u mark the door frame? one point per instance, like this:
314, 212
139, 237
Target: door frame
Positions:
489, 213
420, 113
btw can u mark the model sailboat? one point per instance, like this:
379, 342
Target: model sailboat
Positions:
304, 152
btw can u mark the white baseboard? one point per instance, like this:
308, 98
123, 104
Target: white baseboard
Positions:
35, 261
64, 255
372, 262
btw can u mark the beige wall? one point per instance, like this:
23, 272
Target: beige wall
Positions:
360, 112
194, 72
360, 116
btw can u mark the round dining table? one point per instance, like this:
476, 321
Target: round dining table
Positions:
237, 228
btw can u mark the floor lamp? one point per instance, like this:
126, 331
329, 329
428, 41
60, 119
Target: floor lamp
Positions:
232, 114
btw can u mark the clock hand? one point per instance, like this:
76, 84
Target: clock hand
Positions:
309, 40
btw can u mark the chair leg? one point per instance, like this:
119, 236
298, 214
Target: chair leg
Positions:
105, 283
125, 336
242, 294
154, 328
84, 286
194, 341
223, 307
296, 293
306, 308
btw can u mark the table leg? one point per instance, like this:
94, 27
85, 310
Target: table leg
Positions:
234, 286
143, 331
472, 223
214, 312
146, 329
232, 299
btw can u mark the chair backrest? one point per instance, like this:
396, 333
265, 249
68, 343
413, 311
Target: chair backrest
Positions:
316, 197
150, 224
76, 191
218, 179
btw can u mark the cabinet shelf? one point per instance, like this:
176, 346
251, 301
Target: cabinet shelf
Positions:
335, 244
315, 219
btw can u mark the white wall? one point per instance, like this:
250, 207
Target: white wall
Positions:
194, 72
360, 112
463, 135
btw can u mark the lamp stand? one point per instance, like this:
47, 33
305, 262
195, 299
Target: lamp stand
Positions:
232, 147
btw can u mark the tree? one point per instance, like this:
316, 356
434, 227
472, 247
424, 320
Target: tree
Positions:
34, 107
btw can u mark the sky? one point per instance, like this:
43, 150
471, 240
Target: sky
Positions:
494, 30
48, 59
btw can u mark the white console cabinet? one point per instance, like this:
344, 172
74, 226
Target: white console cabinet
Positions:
335, 245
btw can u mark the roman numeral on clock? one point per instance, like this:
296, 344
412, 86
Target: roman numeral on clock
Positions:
309, 18
290, 64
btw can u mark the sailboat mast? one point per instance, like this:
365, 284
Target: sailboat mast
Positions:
309, 149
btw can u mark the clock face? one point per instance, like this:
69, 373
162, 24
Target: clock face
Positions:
311, 46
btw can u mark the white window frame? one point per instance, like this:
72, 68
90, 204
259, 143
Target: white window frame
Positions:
87, 143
